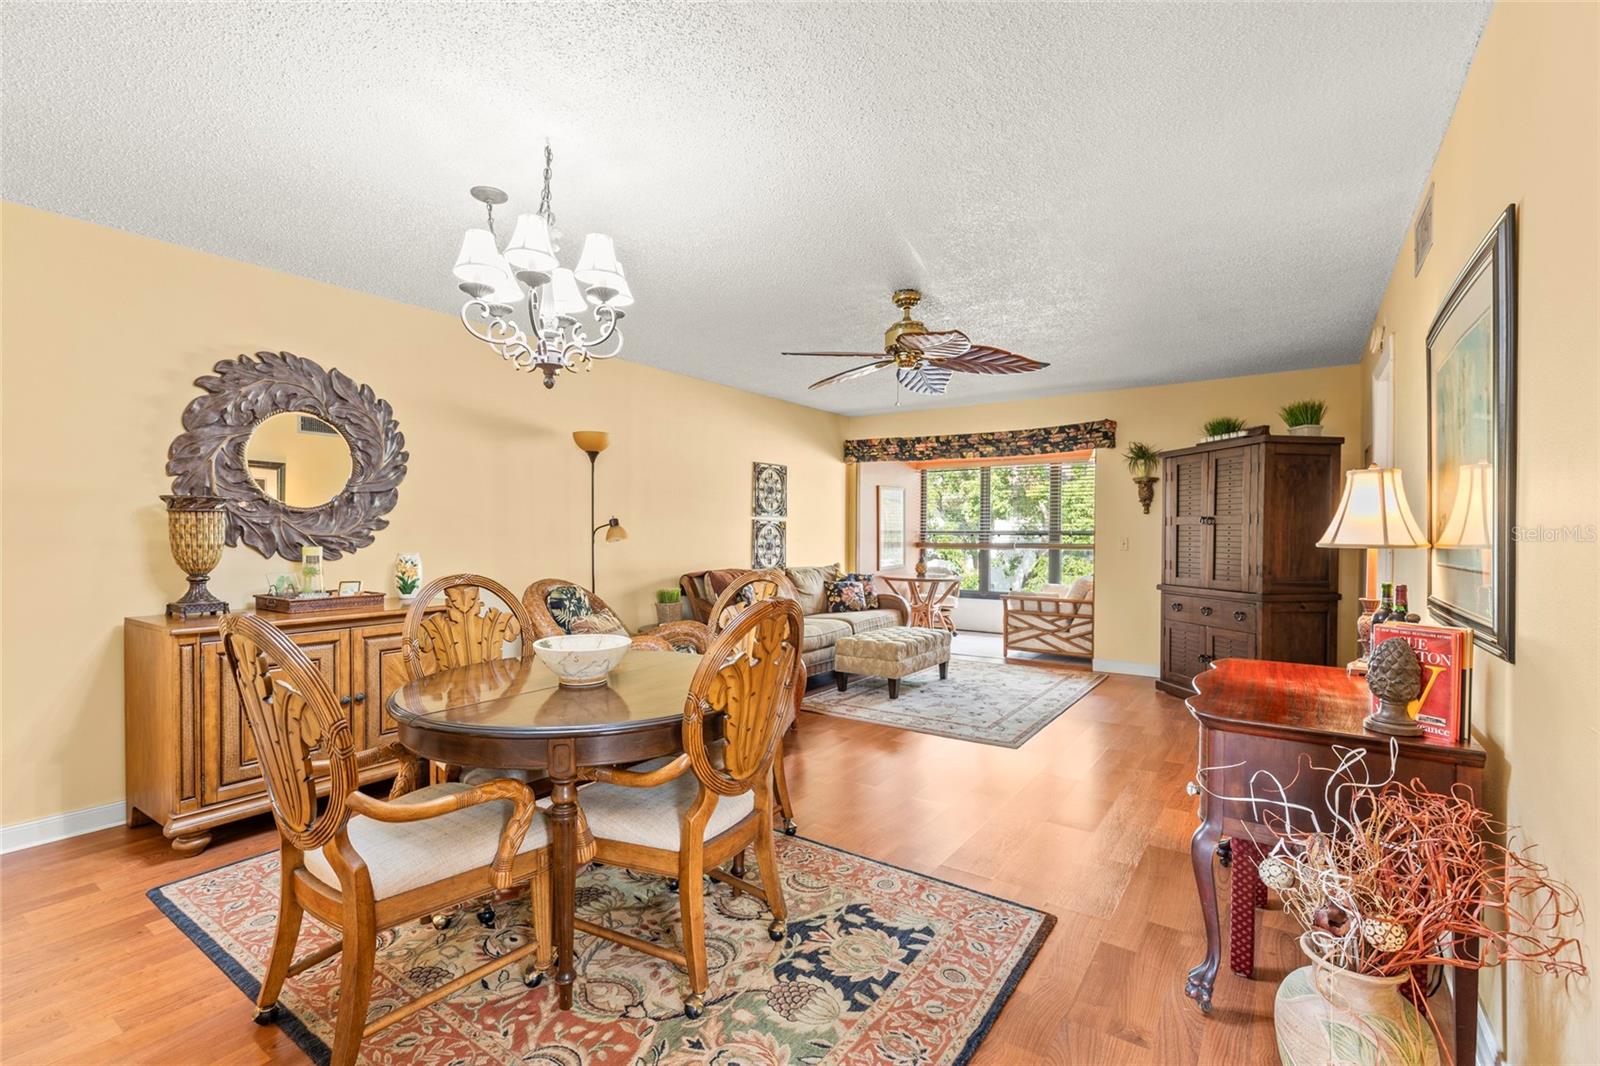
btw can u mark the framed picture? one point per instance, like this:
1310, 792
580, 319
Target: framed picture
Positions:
891, 527
768, 549
269, 477
349, 588
770, 490
1472, 442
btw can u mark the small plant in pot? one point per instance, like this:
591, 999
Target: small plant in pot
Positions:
1218, 428
1142, 462
1304, 417
669, 605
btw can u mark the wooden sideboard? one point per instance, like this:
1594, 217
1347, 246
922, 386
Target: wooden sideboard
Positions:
191, 761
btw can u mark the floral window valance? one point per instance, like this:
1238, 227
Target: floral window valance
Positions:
1001, 444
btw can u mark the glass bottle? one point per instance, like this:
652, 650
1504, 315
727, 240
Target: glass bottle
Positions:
1385, 604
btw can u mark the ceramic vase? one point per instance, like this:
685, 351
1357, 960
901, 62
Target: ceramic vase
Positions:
1325, 1014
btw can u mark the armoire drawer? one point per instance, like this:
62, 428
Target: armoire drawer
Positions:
1205, 611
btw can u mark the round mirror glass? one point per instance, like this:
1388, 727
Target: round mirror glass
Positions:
298, 459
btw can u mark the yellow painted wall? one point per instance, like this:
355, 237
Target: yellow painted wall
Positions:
1128, 541
1525, 131
93, 388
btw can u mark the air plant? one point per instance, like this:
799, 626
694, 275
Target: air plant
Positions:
1142, 459
1218, 427
1303, 413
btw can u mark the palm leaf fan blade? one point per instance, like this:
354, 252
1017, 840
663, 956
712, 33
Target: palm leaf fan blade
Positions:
853, 372
983, 359
926, 380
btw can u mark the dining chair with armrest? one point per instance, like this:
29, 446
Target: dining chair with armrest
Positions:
360, 864
752, 587
684, 818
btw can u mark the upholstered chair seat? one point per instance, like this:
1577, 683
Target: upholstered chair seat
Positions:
653, 817
401, 856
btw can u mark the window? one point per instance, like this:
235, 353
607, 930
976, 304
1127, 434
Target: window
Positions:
1012, 528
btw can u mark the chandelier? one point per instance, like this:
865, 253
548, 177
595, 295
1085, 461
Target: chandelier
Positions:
528, 274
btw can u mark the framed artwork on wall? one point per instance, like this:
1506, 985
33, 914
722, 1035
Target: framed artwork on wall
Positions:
1472, 414
768, 549
269, 477
769, 490
891, 527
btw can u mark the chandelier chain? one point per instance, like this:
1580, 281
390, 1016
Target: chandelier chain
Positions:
545, 208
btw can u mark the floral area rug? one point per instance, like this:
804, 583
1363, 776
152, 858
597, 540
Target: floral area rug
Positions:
983, 700
881, 965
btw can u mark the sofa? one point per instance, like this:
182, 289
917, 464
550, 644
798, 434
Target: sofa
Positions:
823, 627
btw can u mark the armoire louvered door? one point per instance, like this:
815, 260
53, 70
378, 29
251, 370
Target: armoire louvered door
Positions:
1241, 575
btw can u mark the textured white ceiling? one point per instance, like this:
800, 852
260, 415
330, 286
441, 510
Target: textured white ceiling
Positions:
1135, 193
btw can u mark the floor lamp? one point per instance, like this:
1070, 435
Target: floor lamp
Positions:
593, 442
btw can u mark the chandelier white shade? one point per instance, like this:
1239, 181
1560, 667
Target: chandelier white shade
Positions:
527, 281
1373, 513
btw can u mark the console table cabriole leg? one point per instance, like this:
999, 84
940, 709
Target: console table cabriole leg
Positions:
1202, 849
563, 815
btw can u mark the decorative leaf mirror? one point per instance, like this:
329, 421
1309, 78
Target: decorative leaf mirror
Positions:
300, 455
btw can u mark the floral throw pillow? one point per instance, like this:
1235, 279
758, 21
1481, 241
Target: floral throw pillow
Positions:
846, 596
866, 581
568, 605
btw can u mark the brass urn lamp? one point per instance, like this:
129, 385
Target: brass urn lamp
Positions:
196, 528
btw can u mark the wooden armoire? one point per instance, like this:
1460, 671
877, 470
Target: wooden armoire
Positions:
1241, 575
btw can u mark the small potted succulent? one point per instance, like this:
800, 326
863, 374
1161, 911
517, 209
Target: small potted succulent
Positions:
1142, 462
669, 605
1304, 417
1219, 428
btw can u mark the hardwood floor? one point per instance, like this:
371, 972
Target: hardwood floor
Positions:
1088, 820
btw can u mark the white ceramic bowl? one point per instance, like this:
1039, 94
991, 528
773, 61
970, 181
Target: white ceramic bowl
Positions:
582, 660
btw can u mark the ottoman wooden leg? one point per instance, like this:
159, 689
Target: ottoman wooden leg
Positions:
842, 679
944, 670
894, 688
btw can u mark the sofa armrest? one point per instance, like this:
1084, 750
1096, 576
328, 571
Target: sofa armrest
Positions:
893, 601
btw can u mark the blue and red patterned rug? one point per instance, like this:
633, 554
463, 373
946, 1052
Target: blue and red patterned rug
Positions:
881, 965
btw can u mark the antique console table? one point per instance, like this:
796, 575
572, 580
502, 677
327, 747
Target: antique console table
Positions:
1286, 718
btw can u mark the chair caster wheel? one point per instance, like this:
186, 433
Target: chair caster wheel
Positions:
694, 1006
441, 922
533, 978
486, 916
789, 828
266, 1015
778, 930
672, 884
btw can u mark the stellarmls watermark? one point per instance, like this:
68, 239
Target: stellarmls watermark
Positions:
1577, 533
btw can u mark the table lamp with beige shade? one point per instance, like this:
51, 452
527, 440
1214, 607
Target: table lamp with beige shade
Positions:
1373, 513
592, 442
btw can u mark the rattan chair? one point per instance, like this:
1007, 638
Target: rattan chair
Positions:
359, 864
671, 636
685, 817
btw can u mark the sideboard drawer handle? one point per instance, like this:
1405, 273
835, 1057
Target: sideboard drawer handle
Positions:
1206, 611
1177, 606
344, 701
361, 697
1238, 616
1192, 788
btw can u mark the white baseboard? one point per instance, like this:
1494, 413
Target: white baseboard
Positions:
1117, 666
60, 826
1489, 1053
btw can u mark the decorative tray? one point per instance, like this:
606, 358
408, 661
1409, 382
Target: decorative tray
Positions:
314, 604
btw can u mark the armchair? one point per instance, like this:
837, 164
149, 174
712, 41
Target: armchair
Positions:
361, 864
557, 606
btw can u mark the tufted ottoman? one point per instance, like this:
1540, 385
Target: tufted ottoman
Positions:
892, 653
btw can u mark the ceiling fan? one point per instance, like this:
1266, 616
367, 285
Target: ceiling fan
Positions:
922, 359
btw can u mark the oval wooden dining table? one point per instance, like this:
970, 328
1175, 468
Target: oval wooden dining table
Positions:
512, 714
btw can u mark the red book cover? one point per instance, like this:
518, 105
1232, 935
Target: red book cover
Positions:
1446, 656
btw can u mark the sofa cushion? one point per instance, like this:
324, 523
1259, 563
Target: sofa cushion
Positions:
863, 621
602, 621
717, 580
568, 604
821, 630
809, 585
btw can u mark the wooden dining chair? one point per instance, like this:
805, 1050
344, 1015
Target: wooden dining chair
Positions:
557, 606
683, 818
359, 864
468, 630
750, 588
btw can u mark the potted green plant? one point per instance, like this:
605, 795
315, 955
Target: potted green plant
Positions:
1142, 462
1304, 417
1218, 428
669, 605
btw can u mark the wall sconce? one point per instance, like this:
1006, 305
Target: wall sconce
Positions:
1142, 462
